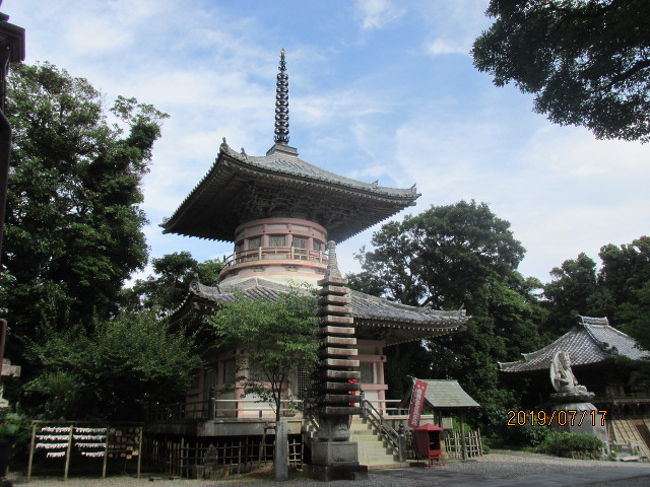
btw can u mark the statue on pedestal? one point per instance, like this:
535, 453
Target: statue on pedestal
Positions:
562, 378
574, 400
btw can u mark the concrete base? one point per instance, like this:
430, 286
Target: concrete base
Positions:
336, 460
334, 453
574, 422
338, 472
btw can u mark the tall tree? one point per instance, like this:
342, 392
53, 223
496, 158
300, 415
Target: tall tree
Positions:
586, 61
121, 369
277, 336
74, 225
452, 256
166, 289
620, 290
570, 293
625, 278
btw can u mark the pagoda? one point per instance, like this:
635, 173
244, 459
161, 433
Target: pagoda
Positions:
280, 211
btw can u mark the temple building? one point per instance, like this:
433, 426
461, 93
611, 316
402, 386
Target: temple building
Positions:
606, 361
279, 211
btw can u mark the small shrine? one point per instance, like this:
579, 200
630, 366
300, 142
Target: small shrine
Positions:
591, 363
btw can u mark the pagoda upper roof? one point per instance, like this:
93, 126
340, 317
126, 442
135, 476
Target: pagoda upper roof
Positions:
240, 188
373, 316
592, 341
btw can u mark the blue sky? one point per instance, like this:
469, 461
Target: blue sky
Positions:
379, 89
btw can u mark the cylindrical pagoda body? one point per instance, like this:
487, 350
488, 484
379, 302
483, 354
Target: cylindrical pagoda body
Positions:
278, 249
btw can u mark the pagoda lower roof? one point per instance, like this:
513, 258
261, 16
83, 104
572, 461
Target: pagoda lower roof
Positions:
240, 188
374, 317
593, 341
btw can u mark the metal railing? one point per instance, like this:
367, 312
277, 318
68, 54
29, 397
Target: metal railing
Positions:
275, 253
385, 431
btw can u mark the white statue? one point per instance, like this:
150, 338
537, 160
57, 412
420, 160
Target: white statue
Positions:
562, 376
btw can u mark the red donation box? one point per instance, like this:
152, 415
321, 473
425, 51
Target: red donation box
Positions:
427, 441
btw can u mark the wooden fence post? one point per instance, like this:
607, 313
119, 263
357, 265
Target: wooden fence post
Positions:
463, 441
139, 453
67, 454
105, 463
31, 453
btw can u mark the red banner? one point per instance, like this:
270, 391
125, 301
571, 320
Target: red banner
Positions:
417, 403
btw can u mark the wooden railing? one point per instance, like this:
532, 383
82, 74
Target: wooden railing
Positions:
220, 408
275, 253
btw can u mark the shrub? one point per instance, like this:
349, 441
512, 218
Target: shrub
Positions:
573, 445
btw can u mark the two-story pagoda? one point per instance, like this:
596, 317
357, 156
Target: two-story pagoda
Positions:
280, 211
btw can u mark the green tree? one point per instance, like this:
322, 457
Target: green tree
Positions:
167, 289
586, 61
570, 293
74, 225
625, 280
277, 336
620, 290
453, 256
119, 370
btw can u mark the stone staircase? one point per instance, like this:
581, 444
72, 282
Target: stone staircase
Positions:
372, 451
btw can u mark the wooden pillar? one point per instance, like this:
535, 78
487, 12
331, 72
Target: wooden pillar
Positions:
139, 453
463, 442
31, 453
180, 457
105, 463
67, 454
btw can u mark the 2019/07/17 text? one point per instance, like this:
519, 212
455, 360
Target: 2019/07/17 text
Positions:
570, 417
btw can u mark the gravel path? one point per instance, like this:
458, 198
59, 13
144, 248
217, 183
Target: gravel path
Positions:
499, 468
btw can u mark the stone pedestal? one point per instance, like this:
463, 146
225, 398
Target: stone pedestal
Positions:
336, 460
575, 414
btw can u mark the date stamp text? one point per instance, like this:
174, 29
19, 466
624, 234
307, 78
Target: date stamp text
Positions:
570, 417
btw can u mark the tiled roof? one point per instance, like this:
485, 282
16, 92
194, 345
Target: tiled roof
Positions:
282, 162
240, 188
592, 341
397, 322
447, 394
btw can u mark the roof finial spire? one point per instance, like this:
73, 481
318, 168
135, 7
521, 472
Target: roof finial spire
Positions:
282, 103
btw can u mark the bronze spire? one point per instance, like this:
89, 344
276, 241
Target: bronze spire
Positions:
282, 103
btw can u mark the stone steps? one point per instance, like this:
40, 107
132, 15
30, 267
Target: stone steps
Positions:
372, 451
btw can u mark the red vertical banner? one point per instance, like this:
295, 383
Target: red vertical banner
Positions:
417, 403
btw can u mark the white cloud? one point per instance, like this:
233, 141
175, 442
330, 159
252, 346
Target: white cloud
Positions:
375, 14
447, 46
563, 191
453, 24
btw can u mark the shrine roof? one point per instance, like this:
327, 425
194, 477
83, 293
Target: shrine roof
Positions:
445, 394
240, 188
395, 322
590, 342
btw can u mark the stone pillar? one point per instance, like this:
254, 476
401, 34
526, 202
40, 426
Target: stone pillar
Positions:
281, 451
333, 456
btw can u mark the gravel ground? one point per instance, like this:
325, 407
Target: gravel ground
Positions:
501, 467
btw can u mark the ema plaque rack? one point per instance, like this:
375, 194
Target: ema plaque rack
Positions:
63, 441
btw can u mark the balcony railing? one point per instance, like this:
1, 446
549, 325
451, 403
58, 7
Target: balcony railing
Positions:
221, 408
251, 408
276, 253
